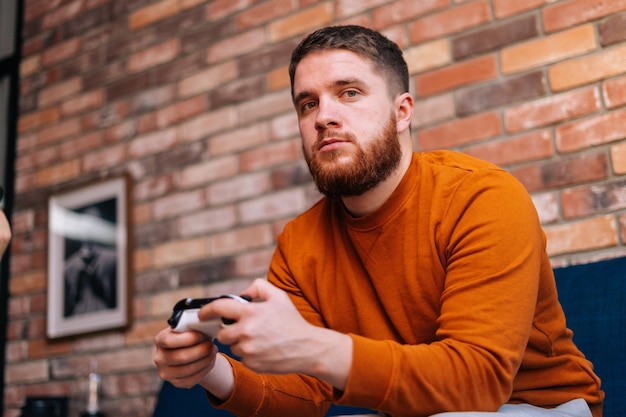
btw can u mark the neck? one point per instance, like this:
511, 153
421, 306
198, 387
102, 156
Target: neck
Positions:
371, 200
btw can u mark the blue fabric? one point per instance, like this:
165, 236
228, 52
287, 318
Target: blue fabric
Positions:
177, 402
593, 297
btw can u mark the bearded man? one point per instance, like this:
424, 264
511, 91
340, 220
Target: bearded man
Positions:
420, 284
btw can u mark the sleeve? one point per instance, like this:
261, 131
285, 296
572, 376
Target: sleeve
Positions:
278, 395
489, 241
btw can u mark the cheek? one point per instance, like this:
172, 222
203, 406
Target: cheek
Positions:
308, 134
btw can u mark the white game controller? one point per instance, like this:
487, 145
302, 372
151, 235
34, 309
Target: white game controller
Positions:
185, 315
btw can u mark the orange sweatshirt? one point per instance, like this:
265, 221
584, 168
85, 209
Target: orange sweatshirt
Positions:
447, 292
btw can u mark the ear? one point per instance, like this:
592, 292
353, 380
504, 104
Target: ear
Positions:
404, 105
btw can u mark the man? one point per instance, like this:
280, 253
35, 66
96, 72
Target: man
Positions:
419, 285
5, 228
5, 233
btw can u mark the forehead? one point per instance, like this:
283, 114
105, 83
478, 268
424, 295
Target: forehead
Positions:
329, 66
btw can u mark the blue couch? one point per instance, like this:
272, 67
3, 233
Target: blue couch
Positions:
594, 299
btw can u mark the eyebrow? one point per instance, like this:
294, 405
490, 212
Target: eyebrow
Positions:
339, 83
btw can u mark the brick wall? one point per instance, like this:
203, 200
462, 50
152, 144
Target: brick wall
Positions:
191, 98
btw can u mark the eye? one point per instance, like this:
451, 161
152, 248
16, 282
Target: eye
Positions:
351, 93
306, 106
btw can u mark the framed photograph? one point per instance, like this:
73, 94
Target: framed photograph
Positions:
88, 259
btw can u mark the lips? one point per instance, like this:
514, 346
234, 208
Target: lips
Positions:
329, 143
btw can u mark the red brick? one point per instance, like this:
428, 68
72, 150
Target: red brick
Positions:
427, 56
347, 8
156, 55
494, 36
541, 51
26, 372
450, 21
207, 221
218, 9
61, 131
180, 111
573, 12
60, 52
300, 23
584, 235
278, 79
263, 13
62, 14
433, 110
612, 29
574, 170
506, 8
464, 73
239, 140
43, 349
41, 157
31, 281
500, 91
240, 240
591, 131
234, 46
238, 188
614, 92
180, 252
267, 106
208, 79
270, 155
152, 14
58, 173
206, 124
59, 92
38, 119
86, 101
460, 132
618, 158
253, 263
547, 207
528, 147
552, 109
588, 69
595, 199
152, 143
562, 172
108, 157
34, 9
30, 66
82, 144
208, 171
173, 205
288, 203
403, 10
136, 358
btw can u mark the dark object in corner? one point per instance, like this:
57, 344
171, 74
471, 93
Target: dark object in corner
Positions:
45, 407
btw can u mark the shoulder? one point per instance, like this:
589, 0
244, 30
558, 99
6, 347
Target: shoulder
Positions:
452, 160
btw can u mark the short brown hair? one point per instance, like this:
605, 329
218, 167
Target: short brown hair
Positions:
384, 53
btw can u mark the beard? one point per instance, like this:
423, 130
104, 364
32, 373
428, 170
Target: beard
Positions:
365, 169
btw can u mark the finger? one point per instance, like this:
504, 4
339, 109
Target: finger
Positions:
188, 375
261, 289
223, 307
169, 339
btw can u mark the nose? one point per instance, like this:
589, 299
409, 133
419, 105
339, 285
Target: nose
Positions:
327, 116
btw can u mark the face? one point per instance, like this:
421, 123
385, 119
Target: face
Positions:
347, 122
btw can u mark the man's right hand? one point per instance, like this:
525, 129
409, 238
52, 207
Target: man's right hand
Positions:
191, 358
5, 233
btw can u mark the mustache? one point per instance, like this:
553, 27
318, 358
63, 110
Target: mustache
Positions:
344, 136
